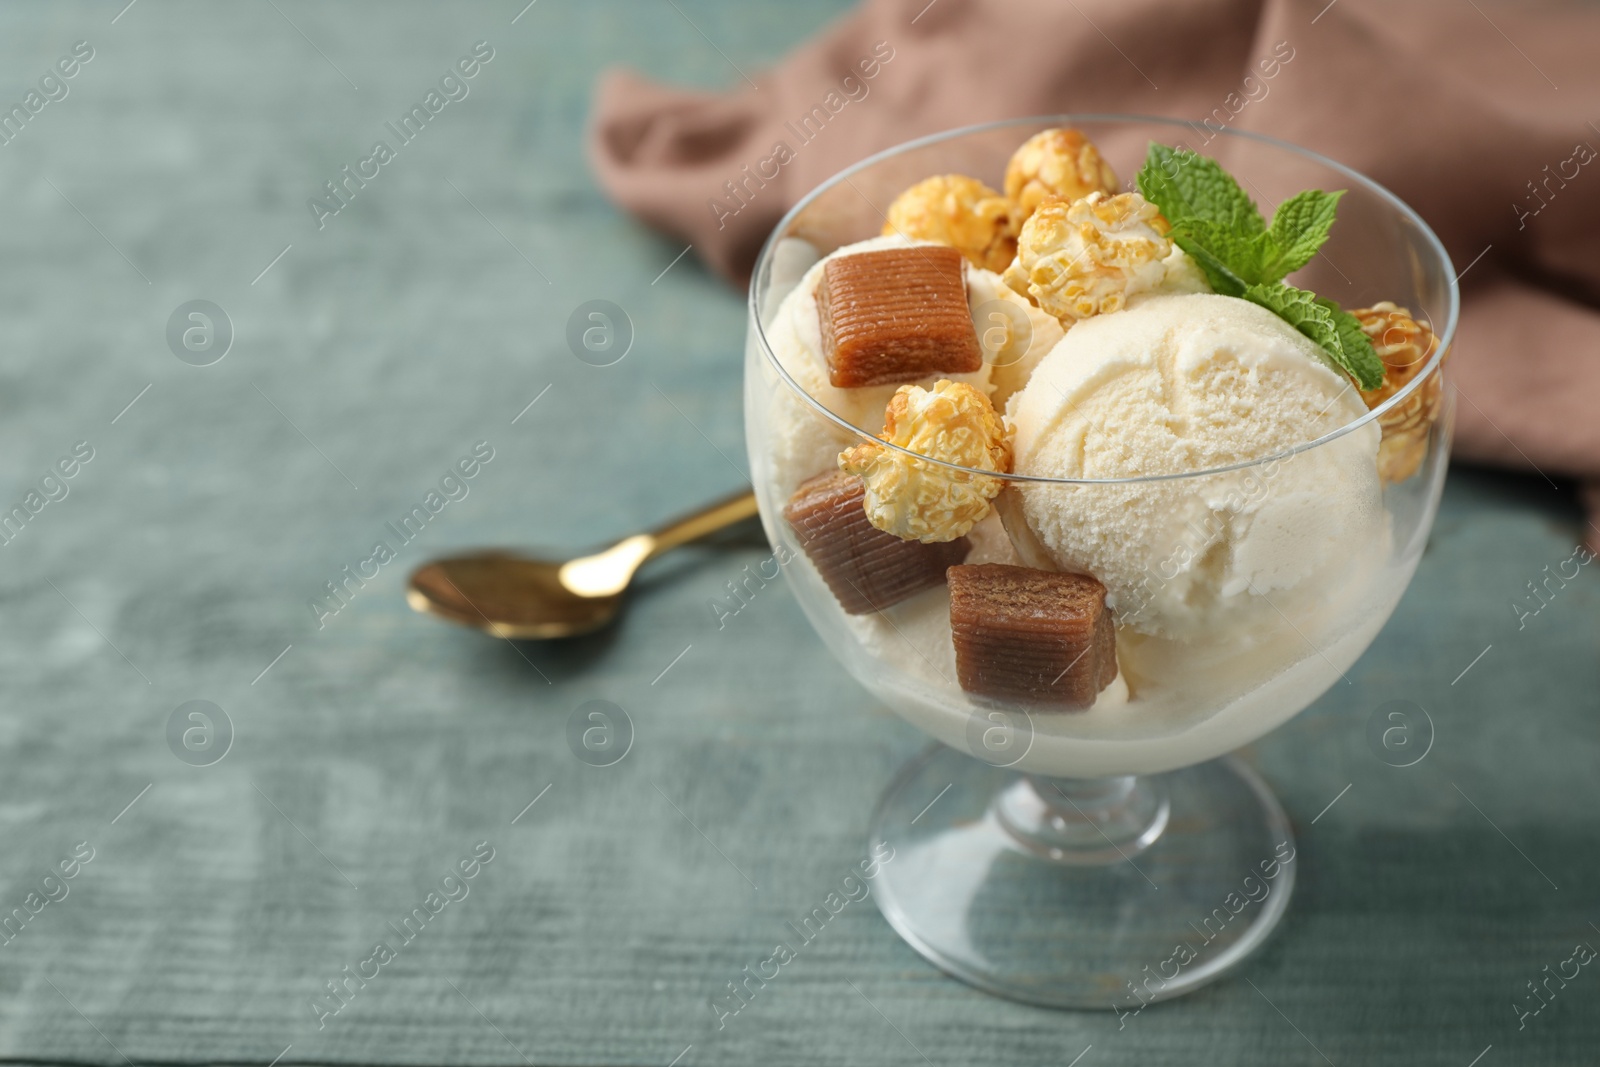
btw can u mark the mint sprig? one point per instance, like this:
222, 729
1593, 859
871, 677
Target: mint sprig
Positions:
1219, 226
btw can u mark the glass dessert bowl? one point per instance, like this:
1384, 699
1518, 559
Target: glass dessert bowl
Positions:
1076, 480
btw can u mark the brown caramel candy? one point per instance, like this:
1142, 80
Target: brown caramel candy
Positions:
867, 569
1038, 636
896, 315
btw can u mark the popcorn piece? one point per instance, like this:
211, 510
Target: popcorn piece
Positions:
1024, 634
867, 569
896, 315
1056, 162
1405, 346
922, 501
960, 212
1085, 257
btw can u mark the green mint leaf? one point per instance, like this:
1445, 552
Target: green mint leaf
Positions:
1187, 185
1300, 309
1361, 359
1333, 330
1245, 255
1218, 273
1299, 228
1155, 185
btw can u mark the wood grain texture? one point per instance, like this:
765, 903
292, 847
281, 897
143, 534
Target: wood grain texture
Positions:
370, 758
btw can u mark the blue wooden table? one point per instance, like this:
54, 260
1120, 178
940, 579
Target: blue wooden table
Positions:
376, 843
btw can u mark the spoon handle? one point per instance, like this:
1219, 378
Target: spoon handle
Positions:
708, 520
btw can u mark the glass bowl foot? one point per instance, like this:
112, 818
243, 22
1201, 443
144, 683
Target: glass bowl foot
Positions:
1082, 893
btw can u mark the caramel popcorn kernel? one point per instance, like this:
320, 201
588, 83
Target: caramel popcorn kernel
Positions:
1059, 162
961, 212
1080, 258
922, 501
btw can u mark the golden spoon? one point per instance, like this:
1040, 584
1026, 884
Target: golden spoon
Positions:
508, 595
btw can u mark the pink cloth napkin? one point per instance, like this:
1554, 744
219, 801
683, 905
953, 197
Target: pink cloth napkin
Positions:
1481, 114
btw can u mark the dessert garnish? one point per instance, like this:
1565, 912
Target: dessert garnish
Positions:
960, 212
1405, 346
896, 315
913, 499
1079, 258
866, 569
1025, 634
1216, 223
1058, 162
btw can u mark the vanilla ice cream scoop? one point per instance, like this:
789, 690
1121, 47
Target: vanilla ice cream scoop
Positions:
1184, 383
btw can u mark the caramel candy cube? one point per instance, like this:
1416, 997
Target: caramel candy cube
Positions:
1037, 636
896, 315
867, 569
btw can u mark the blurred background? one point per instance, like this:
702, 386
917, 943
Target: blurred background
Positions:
352, 755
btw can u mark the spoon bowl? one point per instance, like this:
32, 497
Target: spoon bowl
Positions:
507, 595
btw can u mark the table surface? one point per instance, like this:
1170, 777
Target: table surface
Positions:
373, 752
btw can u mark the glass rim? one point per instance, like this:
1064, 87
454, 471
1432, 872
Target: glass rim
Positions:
1443, 337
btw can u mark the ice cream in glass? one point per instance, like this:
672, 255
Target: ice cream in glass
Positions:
1095, 482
